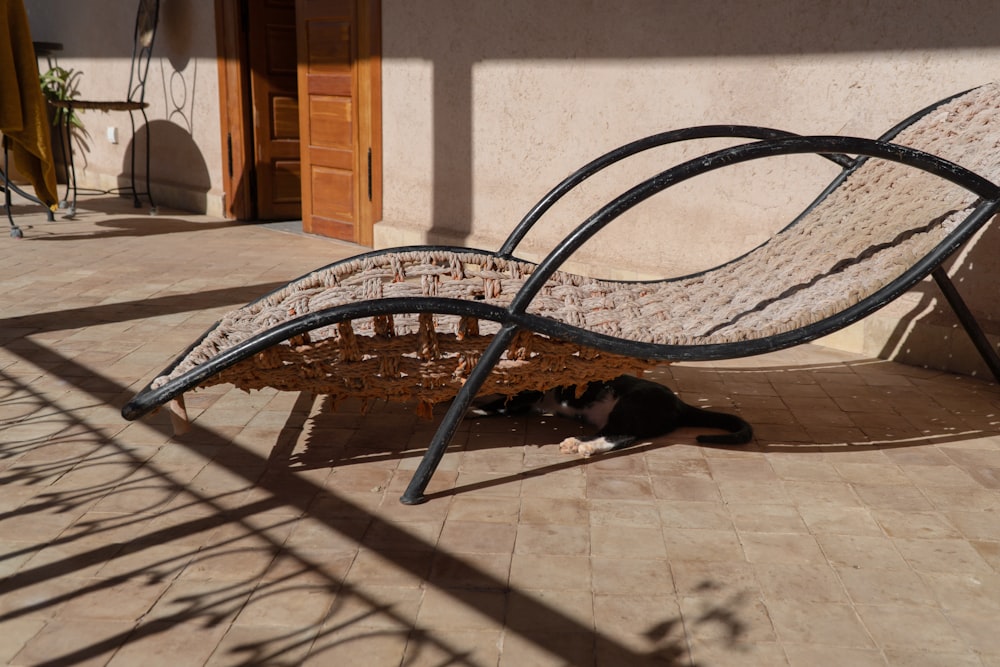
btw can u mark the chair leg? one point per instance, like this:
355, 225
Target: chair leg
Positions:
131, 171
15, 231
62, 129
149, 190
414, 493
71, 177
968, 321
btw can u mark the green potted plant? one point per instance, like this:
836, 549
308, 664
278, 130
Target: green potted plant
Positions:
59, 85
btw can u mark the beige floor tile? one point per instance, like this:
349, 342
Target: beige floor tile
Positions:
620, 576
693, 578
724, 653
768, 519
702, 545
444, 647
649, 615
288, 602
837, 519
919, 658
942, 555
826, 624
893, 496
390, 567
75, 642
556, 649
811, 494
809, 655
480, 571
886, 586
535, 571
554, 510
806, 583
781, 548
569, 483
262, 644
624, 513
976, 629
962, 498
979, 592
859, 551
898, 626
112, 600
463, 609
15, 633
554, 539
733, 617
345, 645
489, 510
373, 608
939, 475
611, 486
685, 488
477, 537
804, 468
546, 610
169, 644
924, 525
708, 516
627, 541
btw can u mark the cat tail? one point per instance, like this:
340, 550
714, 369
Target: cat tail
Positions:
740, 431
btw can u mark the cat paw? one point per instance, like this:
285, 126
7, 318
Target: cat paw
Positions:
576, 446
570, 446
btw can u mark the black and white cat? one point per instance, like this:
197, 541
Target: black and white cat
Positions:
623, 410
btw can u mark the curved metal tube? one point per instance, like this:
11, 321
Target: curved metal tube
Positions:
638, 146
149, 398
735, 155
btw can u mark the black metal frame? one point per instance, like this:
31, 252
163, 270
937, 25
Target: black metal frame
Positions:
768, 143
147, 18
7, 186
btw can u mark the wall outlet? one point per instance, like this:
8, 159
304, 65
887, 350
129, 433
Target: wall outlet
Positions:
113, 135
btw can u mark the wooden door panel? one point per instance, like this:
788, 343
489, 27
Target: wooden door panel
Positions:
332, 122
330, 50
274, 101
334, 188
346, 41
327, 113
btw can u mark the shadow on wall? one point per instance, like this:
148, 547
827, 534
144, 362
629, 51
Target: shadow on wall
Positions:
455, 37
178, 173
929, 333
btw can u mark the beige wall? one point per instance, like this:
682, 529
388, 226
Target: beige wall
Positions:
182, 91
488, 104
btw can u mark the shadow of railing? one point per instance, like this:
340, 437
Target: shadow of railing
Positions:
252, 512
223, 600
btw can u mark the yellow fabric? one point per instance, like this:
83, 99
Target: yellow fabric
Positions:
23, 115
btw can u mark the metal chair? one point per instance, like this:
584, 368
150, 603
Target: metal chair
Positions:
142, 50
439, 324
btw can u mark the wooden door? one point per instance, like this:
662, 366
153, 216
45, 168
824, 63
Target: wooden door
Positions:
271, 49
338, 116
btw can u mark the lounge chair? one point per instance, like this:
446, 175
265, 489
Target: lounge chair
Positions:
437, 324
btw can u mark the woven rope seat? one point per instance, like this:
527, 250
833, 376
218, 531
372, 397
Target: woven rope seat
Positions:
441, 323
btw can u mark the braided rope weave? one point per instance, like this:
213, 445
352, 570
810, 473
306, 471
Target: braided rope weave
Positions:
863, 235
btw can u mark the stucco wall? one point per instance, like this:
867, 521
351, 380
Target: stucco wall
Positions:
182, 91
487, 105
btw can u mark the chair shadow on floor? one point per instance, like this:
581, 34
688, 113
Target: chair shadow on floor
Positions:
869, 405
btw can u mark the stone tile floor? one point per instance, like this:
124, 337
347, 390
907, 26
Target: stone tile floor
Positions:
860, 528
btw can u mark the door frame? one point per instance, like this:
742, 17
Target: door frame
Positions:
236, 122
